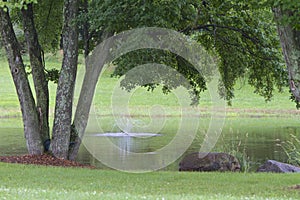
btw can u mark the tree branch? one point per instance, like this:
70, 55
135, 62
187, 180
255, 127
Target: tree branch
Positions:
207, 27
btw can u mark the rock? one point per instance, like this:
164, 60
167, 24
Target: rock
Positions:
209, 162
278, 167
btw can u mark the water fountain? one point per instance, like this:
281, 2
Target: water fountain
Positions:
125, 139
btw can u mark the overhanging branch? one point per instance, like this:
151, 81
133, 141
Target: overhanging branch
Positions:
208, 27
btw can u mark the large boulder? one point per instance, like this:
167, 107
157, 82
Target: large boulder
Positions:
209, 162
277, 167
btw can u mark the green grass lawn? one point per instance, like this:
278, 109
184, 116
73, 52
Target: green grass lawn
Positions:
36, 182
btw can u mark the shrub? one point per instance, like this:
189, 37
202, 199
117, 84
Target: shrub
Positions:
292, 150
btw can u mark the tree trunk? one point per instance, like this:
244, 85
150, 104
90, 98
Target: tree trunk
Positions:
38, 73
86, 26
28, 108
64, 96
83, 108
90, 80
290, 43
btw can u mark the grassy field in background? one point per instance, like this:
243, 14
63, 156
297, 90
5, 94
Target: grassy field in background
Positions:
245, 100
35, 182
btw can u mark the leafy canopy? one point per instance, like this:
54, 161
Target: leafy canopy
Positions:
240, 34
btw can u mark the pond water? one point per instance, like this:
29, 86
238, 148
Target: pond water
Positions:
258, 138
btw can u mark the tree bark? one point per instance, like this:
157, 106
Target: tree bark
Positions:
90, 80
38, 72
64, 96
83, 109
26, 100
290, 43
86, 26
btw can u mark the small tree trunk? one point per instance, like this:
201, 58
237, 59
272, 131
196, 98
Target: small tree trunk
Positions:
28, 108
83, 109
94, 66
290, 43
38, 72
86, 26
64, 96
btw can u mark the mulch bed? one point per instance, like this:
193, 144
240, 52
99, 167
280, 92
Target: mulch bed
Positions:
295, 187
44, 159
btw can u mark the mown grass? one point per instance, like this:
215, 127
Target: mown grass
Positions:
36, 182
141, 99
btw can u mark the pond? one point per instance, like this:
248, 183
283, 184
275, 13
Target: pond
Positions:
259, 138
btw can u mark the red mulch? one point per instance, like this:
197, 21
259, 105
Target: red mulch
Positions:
44, 159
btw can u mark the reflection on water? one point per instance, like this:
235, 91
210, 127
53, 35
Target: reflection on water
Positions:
263, 141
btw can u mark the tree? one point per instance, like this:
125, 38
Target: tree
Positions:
35, 114
287, 16
241, 35
38, 72
64, 96
27, 103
